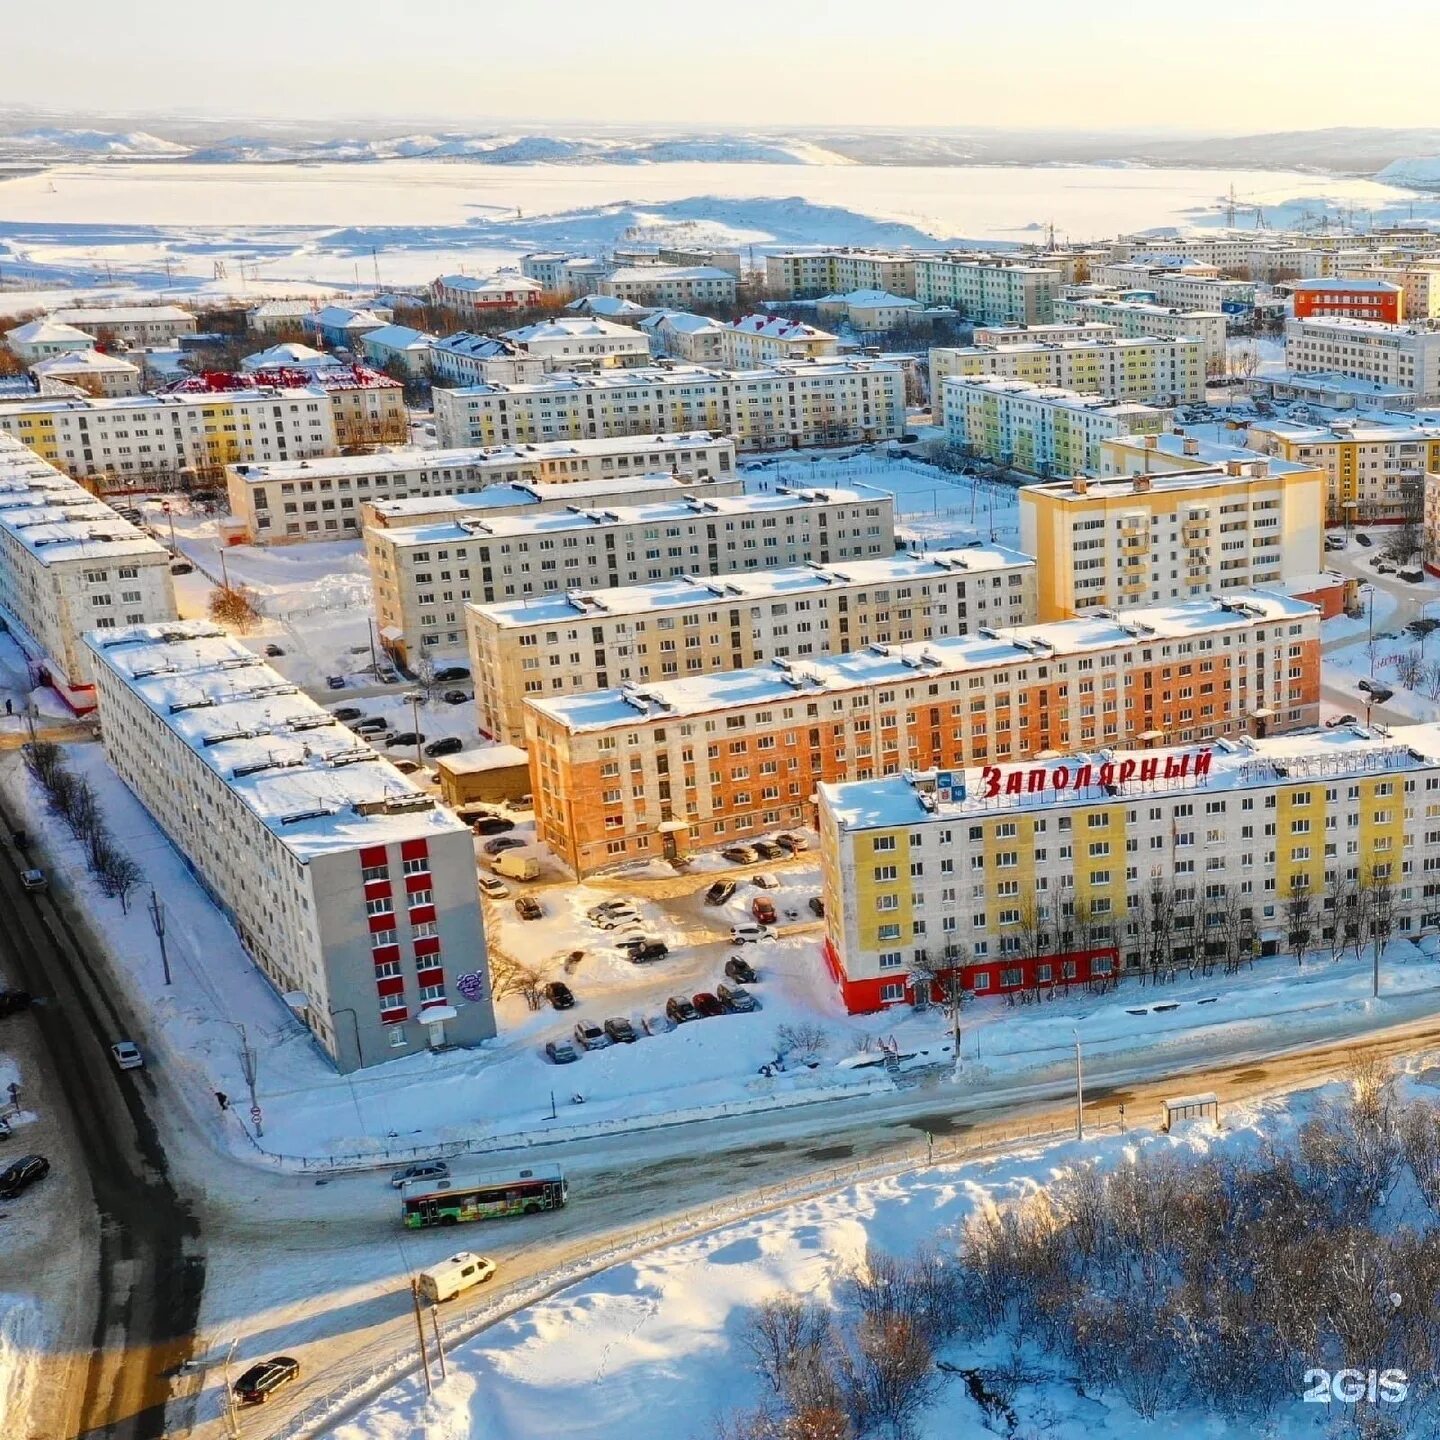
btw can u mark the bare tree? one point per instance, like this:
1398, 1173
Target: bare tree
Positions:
235, 606
1299, 919
1410, 668
424, 671
778, 1332
118, 875
1381, 905
1157, 907
509, 976
1341, 902
803, 1041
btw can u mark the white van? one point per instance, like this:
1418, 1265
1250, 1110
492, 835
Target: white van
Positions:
515, 865
447, 1279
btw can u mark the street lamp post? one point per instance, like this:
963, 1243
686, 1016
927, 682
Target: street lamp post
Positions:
157, 922
414, 698
1079, 1090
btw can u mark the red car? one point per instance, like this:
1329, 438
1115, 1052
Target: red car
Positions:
763, 909
706, 1004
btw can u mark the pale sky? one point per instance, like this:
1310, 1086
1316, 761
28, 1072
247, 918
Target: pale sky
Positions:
1224, 66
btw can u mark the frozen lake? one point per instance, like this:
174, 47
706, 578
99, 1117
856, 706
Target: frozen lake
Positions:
319, 222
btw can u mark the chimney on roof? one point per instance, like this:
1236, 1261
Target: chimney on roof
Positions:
1234, 467
1142, 484
1191, 446
1080, 485
1152, 441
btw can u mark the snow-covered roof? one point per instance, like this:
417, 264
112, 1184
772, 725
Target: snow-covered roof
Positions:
342, 317
398, 337
612, 307
90, 361
920, 661
1333, 282
1049, 395
527, 493
647, 274
477, 347
488, 757
118, 314
1202, 451
313, 783
565, 380
290, 356
740, 586
1344, 323
685, 323
1247, 764
567, 328
1077, 345
505, 281
47, 332
777, 327
867, 299
1141, 307
282, 309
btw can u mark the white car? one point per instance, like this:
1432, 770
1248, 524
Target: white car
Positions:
749, 934
495, 889
127, 1055
765, 882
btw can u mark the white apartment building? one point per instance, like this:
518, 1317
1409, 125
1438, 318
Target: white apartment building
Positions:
1134, 318
697, 627
1261, 255
41, 339
423, 575
875, 310
139, 436
1195, 287
789, 404
70, 564
90, 371
572, 342
695, 339
356, 897
1149, 369
756, 340
1037, 429
1405, 356
287, 501
810, 272
468, 359
134, 324
272, 316
988, 290
683, 286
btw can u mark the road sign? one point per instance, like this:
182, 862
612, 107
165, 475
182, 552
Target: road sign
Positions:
255, 1114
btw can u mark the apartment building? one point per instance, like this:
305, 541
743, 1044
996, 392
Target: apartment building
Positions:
282, 502
1349, 297
647, 771
1418, 279
683, 286
1375, 464
69, 564
576, 341
1036, 429
1162, 858
89, 371
788, 404
272, 316
1135, 318
1150, 369
756, 340
696, 339
134, 324
357, 898
989, 290
468, 359
402, 346
1259, 255
871, 311
41, 339
1167, 534
423, 575
689, 625
1407, 356
505, 290
808, 273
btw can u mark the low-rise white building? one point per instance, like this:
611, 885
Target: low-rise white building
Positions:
572, 342
695, 339
41, 339
400, 346
682, 286
469, 359
272, 316
357, 897
69, 564
290, 355
90, 371
134, 324
871, 309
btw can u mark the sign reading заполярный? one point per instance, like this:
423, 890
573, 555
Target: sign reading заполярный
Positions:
1055, 780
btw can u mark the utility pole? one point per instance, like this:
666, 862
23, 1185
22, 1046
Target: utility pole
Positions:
231, 1423
439, 1348
414, 698
157, 921
420, 1335
1079, 1090
224, 571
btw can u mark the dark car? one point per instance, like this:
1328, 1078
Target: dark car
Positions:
491, 825
20, 1176
527, 907
1363, 540
561, 1052
12, 1002
405, 767
449, 745
453, 672
736, 998
407, 737
181, 567
348, 712
335, 682
741, 971
454, 697
273, 650
706, 1004
719, 892
648, 950
817, 906
560, 995
1336, 721
502, 843
368, 724
261, 1381
679, 1009
767, 849
620, 1030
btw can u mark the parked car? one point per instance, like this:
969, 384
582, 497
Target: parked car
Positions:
561, 1052
453, 672
527, 907
748, 934
1384, 567
741, 971
560, 995
28, 1170
768, 850
369, 724
1412, 573
495, 889
446, 745
12, 1002
1334, 542
261, 1381
1336, 721
607, 906
273, 650
335, 682
650, 950
719, 892
706, 1004
763, 910
615, 919
421, 1170
739, 854
491, 825
454, 697
406, 767
788, 840
181, 567
33, 880
348, 713
620, 1030
127, 1055
765, 882
589, 1036
406, 737
1364, 540
736, 998
679, 1009
502, 843
817, 906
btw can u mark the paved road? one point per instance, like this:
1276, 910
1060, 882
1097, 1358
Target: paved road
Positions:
148, 1286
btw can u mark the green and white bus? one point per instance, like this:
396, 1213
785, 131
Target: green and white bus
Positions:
482, 1197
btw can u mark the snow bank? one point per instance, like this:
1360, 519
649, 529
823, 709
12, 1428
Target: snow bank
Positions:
23, 1342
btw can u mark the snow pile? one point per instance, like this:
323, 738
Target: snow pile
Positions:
23, 1343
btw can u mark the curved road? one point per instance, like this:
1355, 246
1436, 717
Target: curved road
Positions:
150, 1277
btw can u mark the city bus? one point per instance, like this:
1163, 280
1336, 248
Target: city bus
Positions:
482, 1197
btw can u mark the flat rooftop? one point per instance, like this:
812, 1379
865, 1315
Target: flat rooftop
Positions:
1202, 451
314, 784
813, 677
561, 381
662, 485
